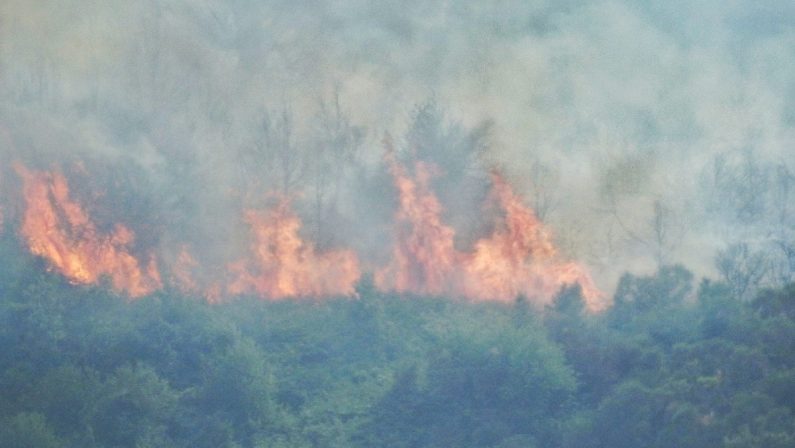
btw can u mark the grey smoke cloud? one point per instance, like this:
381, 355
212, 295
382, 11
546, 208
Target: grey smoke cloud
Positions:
609, 115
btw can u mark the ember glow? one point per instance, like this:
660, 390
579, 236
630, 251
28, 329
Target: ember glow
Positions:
282, 264
58, 229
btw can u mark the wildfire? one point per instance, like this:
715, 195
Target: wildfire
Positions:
519, 257
423, 256
284, 265
57, 228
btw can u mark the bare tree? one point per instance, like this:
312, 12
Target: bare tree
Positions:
755, 197
742, 268
666, 232
278, 144
337, 146
736, 186
273, 154
544, 186
783, 233
661, 233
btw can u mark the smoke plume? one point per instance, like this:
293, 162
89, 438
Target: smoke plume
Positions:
194, 143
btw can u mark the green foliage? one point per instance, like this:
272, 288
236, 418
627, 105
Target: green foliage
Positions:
135, 408
486, 380
25, 430
663, 367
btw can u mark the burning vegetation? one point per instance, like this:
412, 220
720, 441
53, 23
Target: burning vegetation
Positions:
517, 258
282, 264
57, 228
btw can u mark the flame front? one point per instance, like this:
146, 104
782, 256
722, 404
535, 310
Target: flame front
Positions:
57, 228
518, 258
284, 265
423, 255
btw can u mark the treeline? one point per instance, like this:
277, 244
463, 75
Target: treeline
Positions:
672, 363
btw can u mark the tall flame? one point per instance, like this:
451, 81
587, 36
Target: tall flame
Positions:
284, 265
423, 256
57, 228
518, 258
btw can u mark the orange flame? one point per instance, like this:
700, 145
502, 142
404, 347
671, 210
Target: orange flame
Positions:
518, 258
423, 256
521, 258
284, 265
59, 230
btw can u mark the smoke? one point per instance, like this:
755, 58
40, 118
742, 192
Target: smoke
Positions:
641, 133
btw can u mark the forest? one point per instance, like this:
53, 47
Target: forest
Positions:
674, 362
312, 223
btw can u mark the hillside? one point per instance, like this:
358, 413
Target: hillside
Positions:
666, 366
